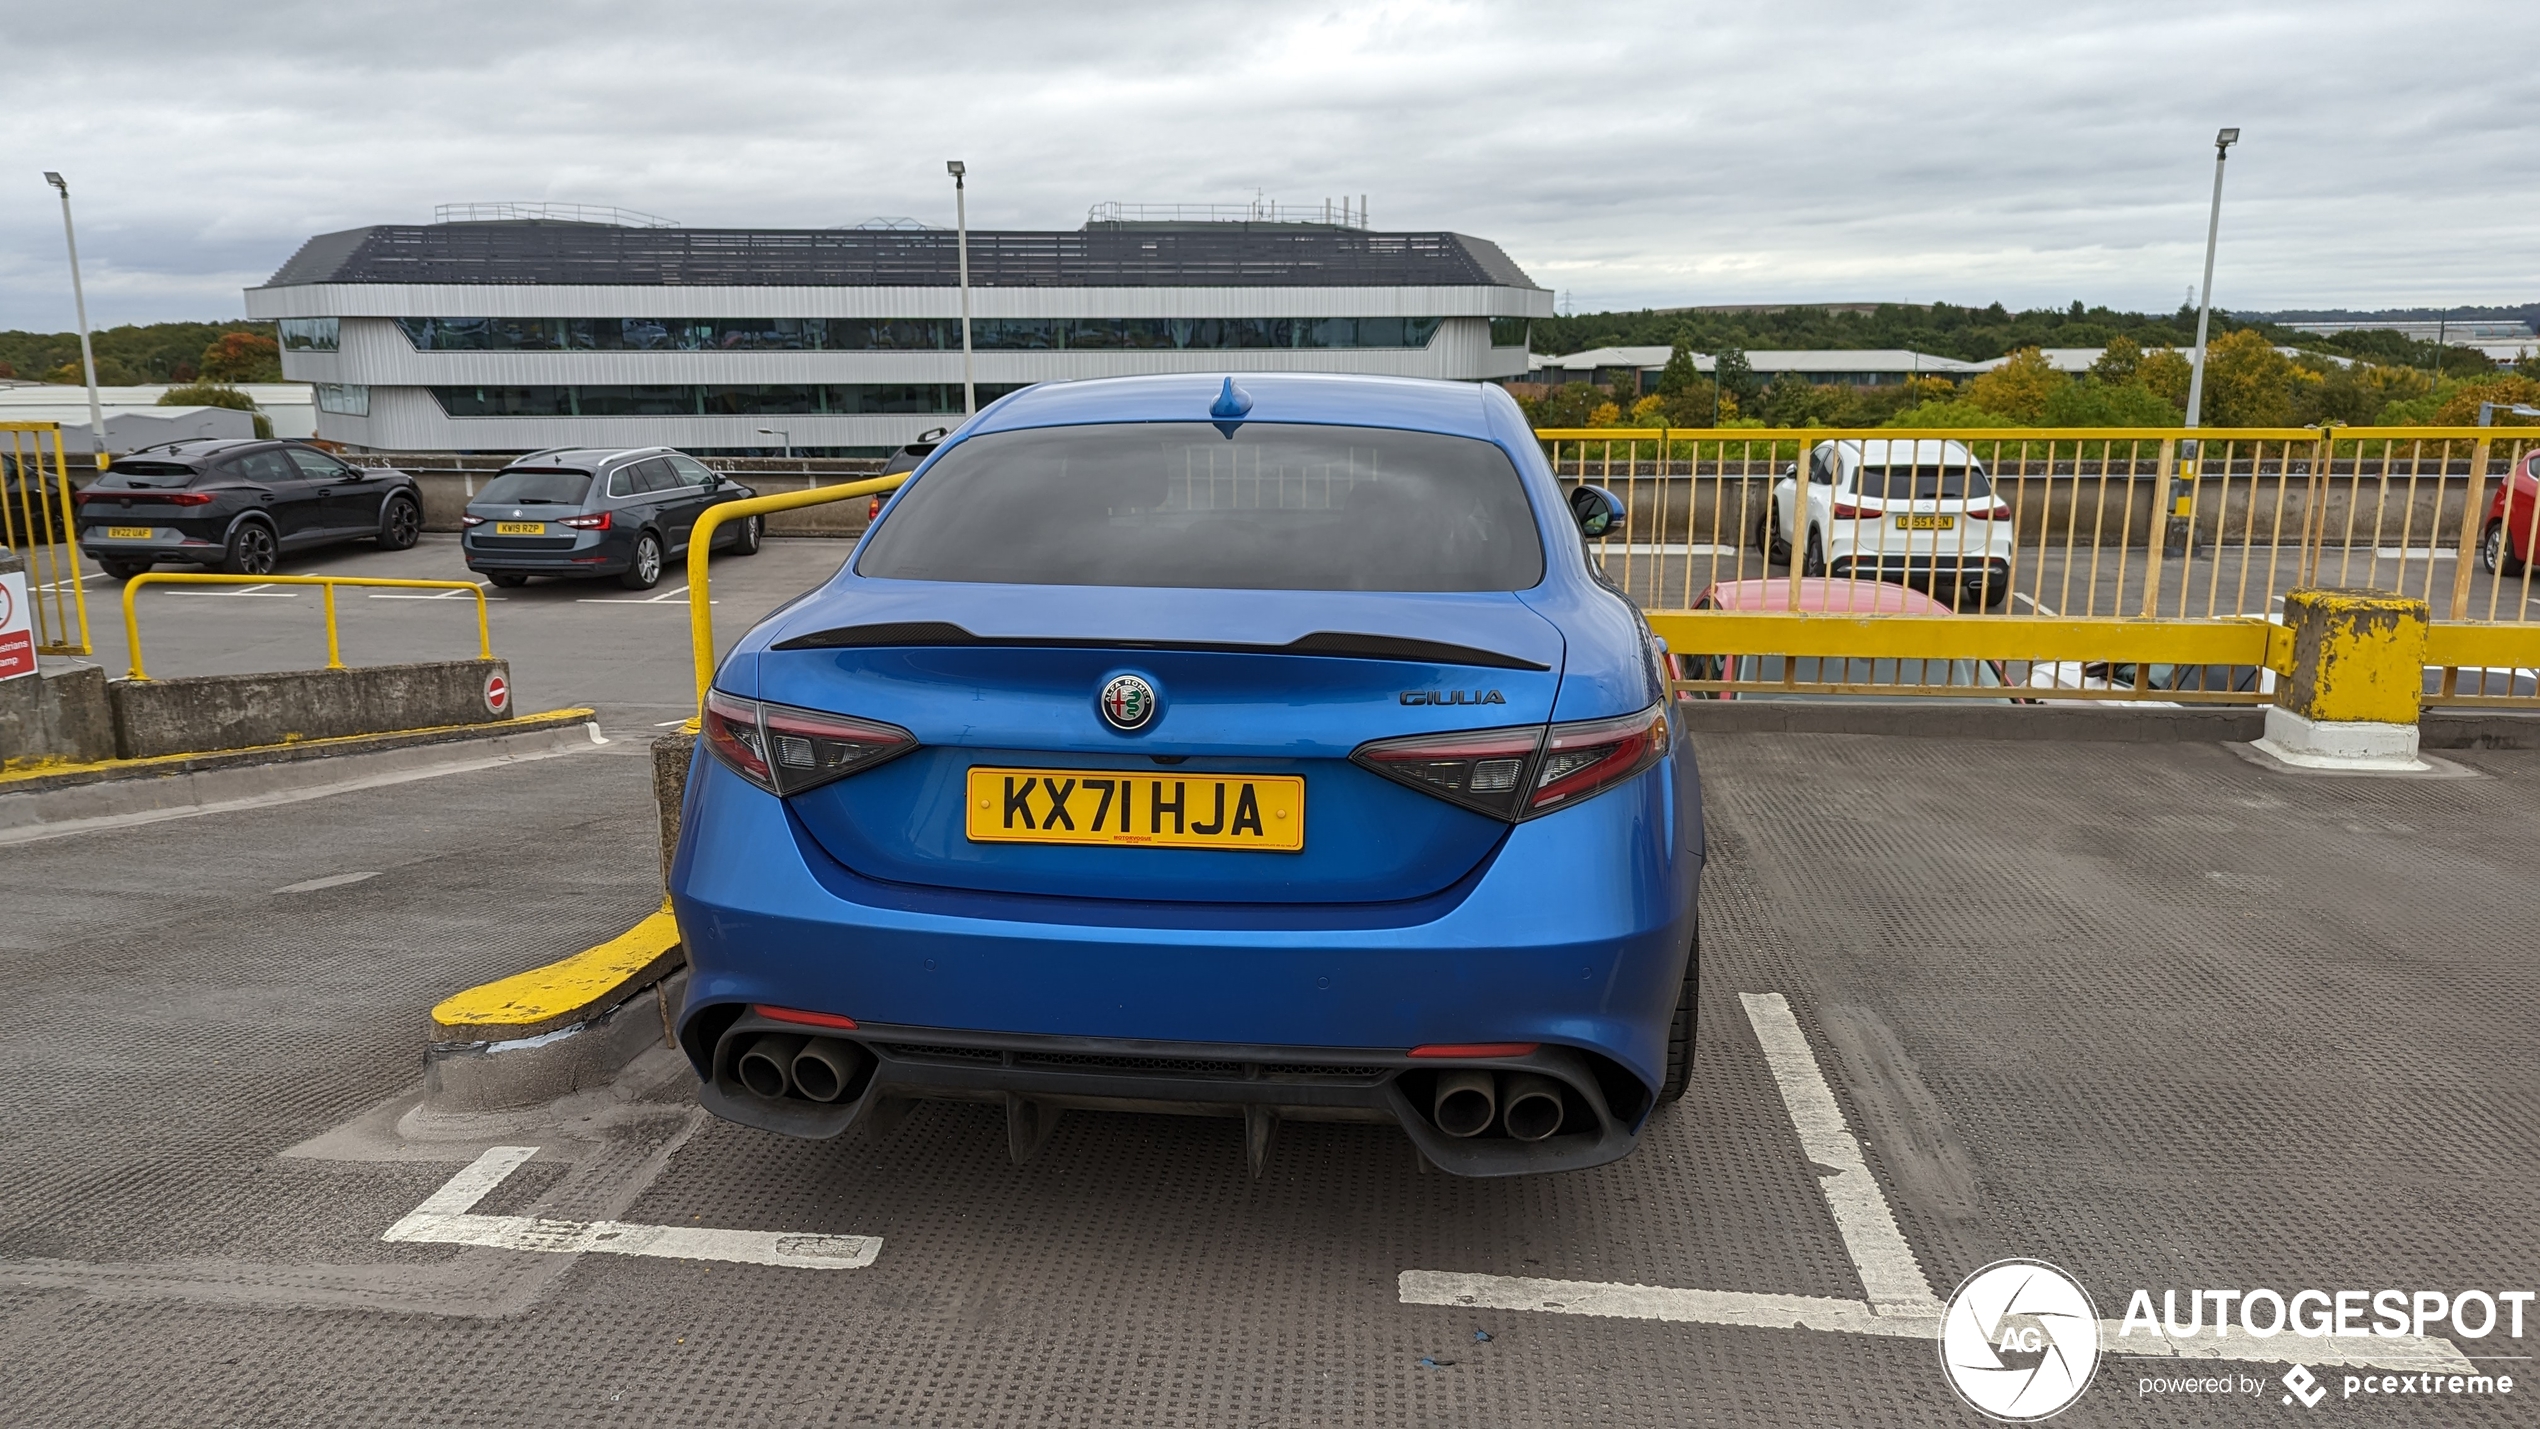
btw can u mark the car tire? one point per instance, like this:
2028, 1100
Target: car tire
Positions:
400, 523
644, 571
2493, 555
508, 580
1989, 594
121, 571
1679, 1073
1814, 564
747, 534
251, 551
1769, 539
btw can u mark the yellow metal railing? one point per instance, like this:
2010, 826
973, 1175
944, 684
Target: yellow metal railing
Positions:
2128, 536
36, 518
334, 651
700, 551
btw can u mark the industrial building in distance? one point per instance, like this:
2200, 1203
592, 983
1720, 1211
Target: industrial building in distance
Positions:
519, 334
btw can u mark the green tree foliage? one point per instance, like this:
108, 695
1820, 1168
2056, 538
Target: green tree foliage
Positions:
214, 394
2020, 388
1679, 373
243, 357
1739, 386
2092, 402
156, 352
1952, 413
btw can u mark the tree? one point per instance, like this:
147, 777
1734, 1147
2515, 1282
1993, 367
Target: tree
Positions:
1794, 401
2248, 383
2119, 360
2460, 407
2093, 403
2164, 373
1679, 373
242, 357
1736, 378
2019, 388
1949, 414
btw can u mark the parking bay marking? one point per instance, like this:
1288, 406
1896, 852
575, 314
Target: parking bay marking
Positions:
1901, 1303
665, 598
446, 1218
332, 880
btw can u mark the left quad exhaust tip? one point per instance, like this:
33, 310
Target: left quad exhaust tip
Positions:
766, 1067
825, 1067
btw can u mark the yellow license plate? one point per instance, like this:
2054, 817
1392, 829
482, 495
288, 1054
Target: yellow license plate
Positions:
1109, 806
520, 528
130, 533
1926, 523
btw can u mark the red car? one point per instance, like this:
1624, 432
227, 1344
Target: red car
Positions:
2505, 543
1831, 595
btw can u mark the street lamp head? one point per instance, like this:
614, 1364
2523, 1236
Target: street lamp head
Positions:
2226, 138
58, 182
955, 168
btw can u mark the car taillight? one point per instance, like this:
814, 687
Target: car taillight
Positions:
1996, 512
1581, 759
170, 498
1515, 774
1851, 511
588, 523
785, 750
471, 520
1484, 769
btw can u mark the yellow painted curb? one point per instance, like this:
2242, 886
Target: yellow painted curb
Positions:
565, 991
518, 724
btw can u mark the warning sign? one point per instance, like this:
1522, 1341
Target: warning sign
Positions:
17, 633
498, 694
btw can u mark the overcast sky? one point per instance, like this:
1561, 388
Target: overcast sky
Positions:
1624, 154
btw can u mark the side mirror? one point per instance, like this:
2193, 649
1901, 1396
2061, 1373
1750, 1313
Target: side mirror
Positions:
1599, 511
1791, 470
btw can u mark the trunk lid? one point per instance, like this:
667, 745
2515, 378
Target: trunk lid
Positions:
1250, 687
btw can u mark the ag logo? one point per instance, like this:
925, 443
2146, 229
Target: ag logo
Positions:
1127, 702
2019, 1340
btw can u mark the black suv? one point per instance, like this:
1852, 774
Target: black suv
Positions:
609, 511
238, 504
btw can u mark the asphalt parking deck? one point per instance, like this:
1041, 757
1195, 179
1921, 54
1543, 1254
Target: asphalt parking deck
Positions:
2159, 1015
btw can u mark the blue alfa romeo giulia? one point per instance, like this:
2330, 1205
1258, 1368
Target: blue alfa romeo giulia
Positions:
1265, 747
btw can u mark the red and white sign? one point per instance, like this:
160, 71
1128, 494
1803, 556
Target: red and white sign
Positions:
17, 634
498, 694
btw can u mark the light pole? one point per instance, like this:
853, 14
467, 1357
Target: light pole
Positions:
780, 432
2487, 411
79, 302
2183, 486
961, 240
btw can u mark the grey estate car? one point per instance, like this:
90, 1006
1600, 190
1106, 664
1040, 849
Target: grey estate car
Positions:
597, 512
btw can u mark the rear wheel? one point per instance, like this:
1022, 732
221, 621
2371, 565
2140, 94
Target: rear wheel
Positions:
2494, 555
644, 572
508, 580
251, 550
122, 570
746, 535
400, 523
1815, 562
1770, 540
1988, 593
1680, 1031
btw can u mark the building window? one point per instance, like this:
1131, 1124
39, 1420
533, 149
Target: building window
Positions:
910, 334
344, 399
834, 399
309, 334
1508, 332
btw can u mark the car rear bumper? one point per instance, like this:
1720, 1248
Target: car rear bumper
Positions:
165, 543
594, 555
1572, 936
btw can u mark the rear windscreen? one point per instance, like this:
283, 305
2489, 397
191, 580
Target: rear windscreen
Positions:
1272, 507
538, 488
1921, 483
161, 474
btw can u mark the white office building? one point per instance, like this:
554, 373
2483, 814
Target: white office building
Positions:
515, 335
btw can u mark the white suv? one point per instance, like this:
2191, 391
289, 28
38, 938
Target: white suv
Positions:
1915, 510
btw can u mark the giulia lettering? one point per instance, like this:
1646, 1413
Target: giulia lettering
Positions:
1452, 697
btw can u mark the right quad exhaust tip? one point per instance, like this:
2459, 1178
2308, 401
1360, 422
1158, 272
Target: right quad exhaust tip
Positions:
1526, 1105
818, 1069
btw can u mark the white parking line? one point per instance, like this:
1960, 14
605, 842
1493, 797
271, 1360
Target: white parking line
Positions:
332, 880
2033, 605
666, 597
444, 1218
1901, 1303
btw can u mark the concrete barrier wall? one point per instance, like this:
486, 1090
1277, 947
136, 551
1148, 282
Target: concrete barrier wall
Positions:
59, 713
212, 712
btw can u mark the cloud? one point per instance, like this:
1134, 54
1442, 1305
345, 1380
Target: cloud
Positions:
1628, 154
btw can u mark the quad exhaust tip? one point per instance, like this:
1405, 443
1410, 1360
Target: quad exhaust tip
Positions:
1530, 1106
825, 1068
1526, 1106
766, 1066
